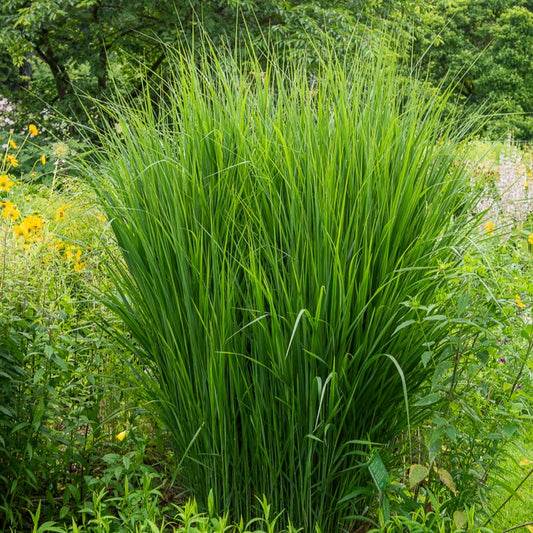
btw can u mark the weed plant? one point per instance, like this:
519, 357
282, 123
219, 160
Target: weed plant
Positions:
273, 225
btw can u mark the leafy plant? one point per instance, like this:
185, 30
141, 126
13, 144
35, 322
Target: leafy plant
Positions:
54, 395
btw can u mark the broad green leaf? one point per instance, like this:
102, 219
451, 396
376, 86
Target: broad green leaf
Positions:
417, 474
460, 519
447, 479
426, 357
429, 399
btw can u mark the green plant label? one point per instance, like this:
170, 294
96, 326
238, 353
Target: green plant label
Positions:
378, 471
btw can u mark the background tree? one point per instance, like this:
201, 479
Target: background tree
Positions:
72, 44
488, 47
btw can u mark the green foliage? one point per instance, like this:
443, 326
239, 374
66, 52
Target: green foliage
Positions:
431, 521
487, 46
481, 391
270, 230
67, 48
54, 397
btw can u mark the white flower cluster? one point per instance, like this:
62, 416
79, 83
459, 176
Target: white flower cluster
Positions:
508, 198
6, 107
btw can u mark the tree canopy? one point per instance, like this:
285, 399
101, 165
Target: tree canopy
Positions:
61, 47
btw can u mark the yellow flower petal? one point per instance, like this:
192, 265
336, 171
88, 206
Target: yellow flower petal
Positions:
525, 462
5, 183
13, 144
489, 227
33, 130
121, 436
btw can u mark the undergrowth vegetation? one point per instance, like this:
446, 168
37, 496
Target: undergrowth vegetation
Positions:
288, 302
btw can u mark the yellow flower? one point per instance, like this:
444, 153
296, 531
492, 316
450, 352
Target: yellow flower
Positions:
525, 462
519, 302
43, 159
35, 222
530, 238
33, 130
12, 160
13, 144
60, 213
5, 183
30, 229
526, 184
20, 230
10, 211
79, 267
489, 227
530, 528
121, 436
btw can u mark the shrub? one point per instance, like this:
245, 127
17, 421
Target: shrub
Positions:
271, 225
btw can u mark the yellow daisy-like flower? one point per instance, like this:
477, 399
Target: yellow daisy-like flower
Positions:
5, 183
12, 160
30, 229
43, 159
13, 144
122, 435
10, 211
60, 213
20, 230
489, 227
530, 238
33, 130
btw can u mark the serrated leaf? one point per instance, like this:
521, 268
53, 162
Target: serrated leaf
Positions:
433, 318
426, 357
38, 375
451, 432
403, 325
417, 474
482, 355
527, 332
463, 303
460, 519
509, 430
447, 479
434, 448
430, 399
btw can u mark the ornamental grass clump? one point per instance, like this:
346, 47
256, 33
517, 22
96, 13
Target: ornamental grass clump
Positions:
272, 229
